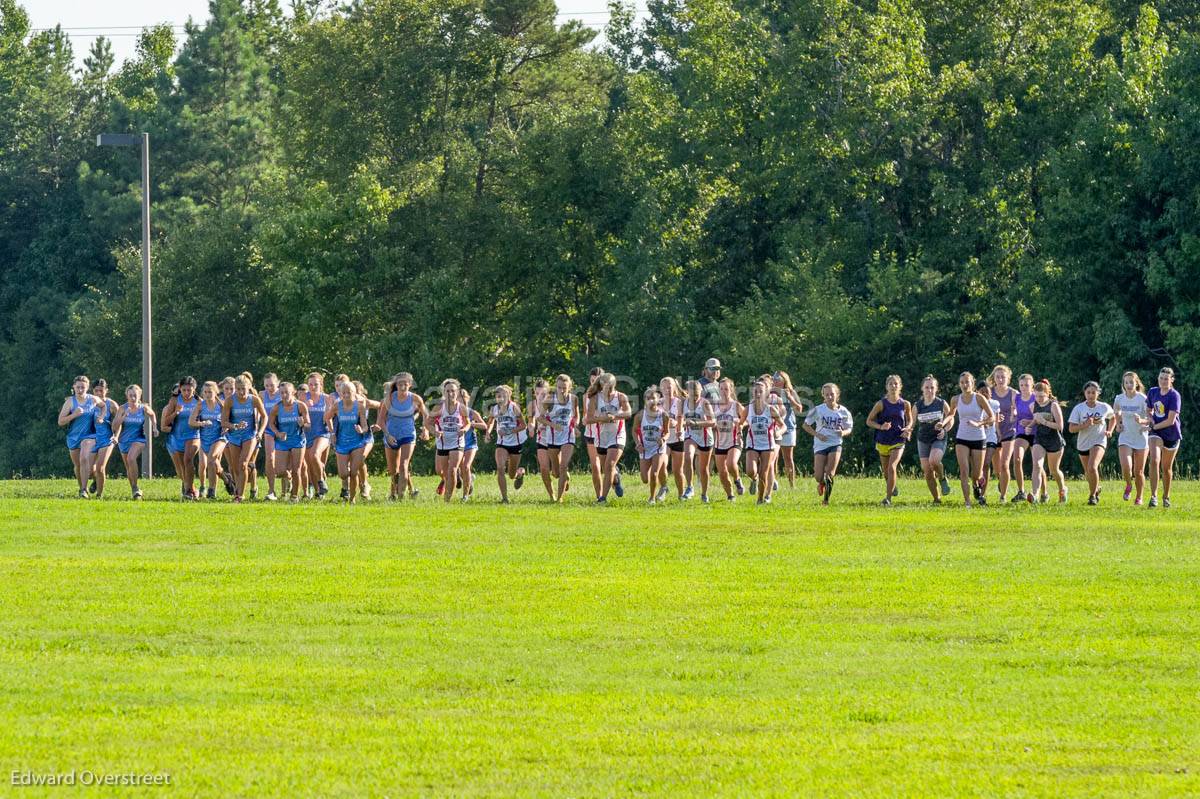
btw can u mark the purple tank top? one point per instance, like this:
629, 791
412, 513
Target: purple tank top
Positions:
892, 412
1008, 409
1024, 413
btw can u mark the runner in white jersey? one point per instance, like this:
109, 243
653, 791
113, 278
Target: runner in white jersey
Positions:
727, 426
560, 414
542, 434
1133, 428
762, 418
828, 423
653, 426
781, 389
507, 421
672, 404
1093, 421
970, 444
609, 411
699, 436
448, 423
589, 433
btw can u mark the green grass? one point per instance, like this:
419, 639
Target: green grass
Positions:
382, 650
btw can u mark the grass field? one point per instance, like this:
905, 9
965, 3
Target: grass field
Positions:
382, 650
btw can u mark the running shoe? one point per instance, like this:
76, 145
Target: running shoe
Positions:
1166, 502
271, 496
945, 486
662, 494
366, 491
767, 500
322, 489
1154, 502
211, 493
137, 494
345, 492
704, 498
92, 486
821, 489
83, 494
1030, 498
618, 489
413, 491
688, 493
741, 489
774, 485
937, 501
1128, 492
601, 500
1062, 496
731, 497
519, 480
828, 488
753, 486
1092, 499
887, 503
228, 481
650, 501
441, 489
1019, 497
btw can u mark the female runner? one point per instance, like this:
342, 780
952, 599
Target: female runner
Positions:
589, 436
559, 414
1093, 422
288, 423
1004, 400
609, 410
364, 483
130, 424
1165, 434
316, 454
449, 422
650, 433
475, 426
1023, 405
542, 434
698, 424
78, 416
243, 418
1133, 439
828, 423
672, 405
398, 415
105, 411
270, 398
781, 384
184, 441
347, 419
892, 420
762, 417
974, 416
1046, 426
506, 419
206, 417
727, 424
933, 420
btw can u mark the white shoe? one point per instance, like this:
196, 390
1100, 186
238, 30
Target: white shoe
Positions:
688, 493
271, 497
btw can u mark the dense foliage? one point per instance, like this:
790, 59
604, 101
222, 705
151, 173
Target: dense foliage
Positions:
842, 190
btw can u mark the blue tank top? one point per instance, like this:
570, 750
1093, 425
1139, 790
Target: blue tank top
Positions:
180, 429
211, 434
83, 426
242, 411
316, 417
133, 427
348, 437
400, 418
288, 422
103, 423
892, 412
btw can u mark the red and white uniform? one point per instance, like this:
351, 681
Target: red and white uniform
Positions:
760, 428
650, 434
508, 432
608, 434
727, 423
700, 436
451, 426
674, 436
563, 418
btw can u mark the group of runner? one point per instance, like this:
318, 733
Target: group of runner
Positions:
682, 433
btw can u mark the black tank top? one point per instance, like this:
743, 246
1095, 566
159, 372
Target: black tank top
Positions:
927, 417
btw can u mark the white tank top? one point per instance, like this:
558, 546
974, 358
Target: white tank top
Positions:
967, 413
673, 412
507, 434
652, 431
761, 432
695, 413
726, 417
562, 420
602, 407
451, 427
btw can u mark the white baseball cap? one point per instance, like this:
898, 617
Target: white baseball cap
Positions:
712, 363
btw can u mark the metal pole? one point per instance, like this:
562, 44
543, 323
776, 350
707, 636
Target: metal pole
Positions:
147, 361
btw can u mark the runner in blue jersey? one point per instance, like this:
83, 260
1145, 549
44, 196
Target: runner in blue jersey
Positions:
270, 398
77, 414
347, 419
317, 453
130, 422
206, 417
105, 442
397, 420
183, 443
288, 423
243, 419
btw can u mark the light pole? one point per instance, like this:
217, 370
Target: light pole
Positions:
133, 140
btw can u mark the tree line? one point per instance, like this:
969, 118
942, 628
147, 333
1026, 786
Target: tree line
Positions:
842, 190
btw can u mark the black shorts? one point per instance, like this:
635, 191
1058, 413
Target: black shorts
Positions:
441, 453
971, 445
721, 451
1027, 438
1009, 437
993, 445
675, 446
1050, 446
1171, 445
702, 449
513, 450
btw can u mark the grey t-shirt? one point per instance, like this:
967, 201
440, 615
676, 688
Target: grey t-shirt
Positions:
1096, 435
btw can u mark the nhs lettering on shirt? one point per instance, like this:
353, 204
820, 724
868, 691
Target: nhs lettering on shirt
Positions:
833, 420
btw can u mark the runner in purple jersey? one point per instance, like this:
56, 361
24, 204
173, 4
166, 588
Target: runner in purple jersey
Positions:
892, 420
1025, 400
1003, 394
1165, 434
